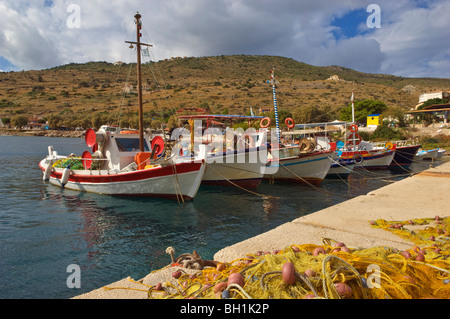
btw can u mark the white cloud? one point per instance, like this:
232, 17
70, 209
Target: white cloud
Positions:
412, 39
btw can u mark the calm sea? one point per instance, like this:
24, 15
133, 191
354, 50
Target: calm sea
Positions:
44, 229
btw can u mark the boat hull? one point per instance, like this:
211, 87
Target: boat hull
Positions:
341, 168
172, 181
404, 155
376, 159
310, 167
427, 154
243, 168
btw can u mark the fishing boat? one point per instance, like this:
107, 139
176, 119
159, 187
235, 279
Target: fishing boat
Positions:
427, 154
405, 151
234, 157
296, 165
323, 133
300, 161
125, 162
441, 153
364, 153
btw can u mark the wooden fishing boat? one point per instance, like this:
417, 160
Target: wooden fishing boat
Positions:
233, 157
300, 161
293, 165
405, 151
126, 163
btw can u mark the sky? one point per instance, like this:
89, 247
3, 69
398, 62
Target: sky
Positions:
409, 38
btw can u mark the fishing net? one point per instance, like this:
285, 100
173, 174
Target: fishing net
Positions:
328, 271
74, 164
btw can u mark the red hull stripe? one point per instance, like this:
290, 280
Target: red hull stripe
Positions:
132, 176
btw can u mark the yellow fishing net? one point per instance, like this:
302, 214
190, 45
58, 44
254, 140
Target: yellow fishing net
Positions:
330, 270
375, 273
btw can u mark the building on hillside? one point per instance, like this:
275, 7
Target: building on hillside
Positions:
34, 124
433, 95
374, 120
440, 113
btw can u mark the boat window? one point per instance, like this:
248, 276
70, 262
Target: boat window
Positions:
129, 144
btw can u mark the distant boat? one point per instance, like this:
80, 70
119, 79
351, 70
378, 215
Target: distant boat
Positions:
427, 154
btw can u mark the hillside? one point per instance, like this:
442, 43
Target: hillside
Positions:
236, 83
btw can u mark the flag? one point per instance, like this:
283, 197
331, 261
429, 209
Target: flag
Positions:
145, 52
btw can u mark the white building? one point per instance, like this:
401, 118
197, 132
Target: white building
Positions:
433, 95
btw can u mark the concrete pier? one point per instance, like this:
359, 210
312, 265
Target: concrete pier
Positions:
423, 195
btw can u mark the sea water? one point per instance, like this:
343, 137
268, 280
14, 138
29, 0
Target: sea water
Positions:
44, 229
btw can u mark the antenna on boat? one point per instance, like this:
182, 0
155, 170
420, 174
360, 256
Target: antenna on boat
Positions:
273, 82
138, 44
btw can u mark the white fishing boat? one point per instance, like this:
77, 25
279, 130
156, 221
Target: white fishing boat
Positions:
364, 153
126, 162
302, 162
294, 165
323, 133
233, 157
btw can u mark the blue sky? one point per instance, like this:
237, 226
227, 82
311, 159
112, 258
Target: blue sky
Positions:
412, 39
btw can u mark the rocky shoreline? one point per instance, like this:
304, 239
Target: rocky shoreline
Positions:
47, 133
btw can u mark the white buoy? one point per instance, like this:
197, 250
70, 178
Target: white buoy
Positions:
65, 176
48, 172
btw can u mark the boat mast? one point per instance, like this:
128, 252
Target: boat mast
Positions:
273, 82
138, 44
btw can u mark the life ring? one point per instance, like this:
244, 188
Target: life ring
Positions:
262, 124
388, 145
358, 158
289, 122
354, 137
353, 128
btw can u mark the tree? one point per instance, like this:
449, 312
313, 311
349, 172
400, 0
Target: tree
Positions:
172, 122
362, 110
309, 114
19, 121
54, 121
395, 113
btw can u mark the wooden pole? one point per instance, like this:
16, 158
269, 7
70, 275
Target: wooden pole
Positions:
139, 82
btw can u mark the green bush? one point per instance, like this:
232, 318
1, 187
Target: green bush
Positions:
385, 133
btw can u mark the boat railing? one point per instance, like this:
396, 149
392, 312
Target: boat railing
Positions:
398, 143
